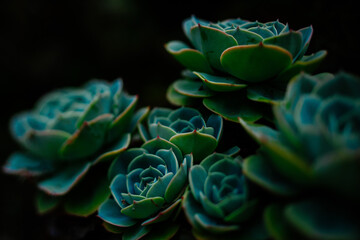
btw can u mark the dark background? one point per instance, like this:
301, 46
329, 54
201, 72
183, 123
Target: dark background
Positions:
47, 44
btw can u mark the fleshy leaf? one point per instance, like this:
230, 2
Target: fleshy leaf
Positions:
85, 198
192, 88
276, 223
244, 37
164, 215
45, 143
100, 104
122, 123
255, 63
231, 107
144, 208
190, 58
45, 203
212, 225
61, 182
197, 177
137, 118
291, 41
306, 64
27, 165
115, 150
178, 99
155, 144
159, 130
265, 93
213, 43
177, 183
137, 232
110, 212
220, 84
159, 187
200, 145
88, 139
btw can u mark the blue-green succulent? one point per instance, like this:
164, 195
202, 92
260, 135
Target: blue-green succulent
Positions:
147, 185
218, 204
253, 59
312, 159
186, 128
68, 132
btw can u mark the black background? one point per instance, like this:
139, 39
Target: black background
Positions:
47, 44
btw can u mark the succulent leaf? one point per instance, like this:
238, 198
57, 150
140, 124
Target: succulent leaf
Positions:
61, 182
27, 165
255, 63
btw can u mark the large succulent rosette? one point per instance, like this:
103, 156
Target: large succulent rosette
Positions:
147, 185
239, 61
219, 204
186, 128
68, 132
312, 161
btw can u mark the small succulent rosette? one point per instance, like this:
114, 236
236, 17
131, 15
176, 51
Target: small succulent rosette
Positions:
68, 132
147, 185
239, 61
312, 161
219, 204
186, 128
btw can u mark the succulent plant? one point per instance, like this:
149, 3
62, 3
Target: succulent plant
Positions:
253, 59
312, 160
147, 184
186, 128
218, 204
67, 133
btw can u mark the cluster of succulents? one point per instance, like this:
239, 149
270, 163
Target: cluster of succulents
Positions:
80, 144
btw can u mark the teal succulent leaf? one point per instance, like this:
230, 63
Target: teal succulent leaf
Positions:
110, 212
186, 128
27, 165
45, 203
71, 130
220, 84
234, 106
61, 182
192, 89
85, 198
218, 200
147, 184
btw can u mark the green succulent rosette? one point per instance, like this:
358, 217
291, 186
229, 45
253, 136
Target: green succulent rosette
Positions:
186, 128
312, 161
147, 185
68, 132
239, 61
219, 204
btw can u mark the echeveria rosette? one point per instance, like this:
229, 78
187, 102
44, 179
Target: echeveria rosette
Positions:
252, 58
218, 204
312, 160
147, 187
186, 128
67, 133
